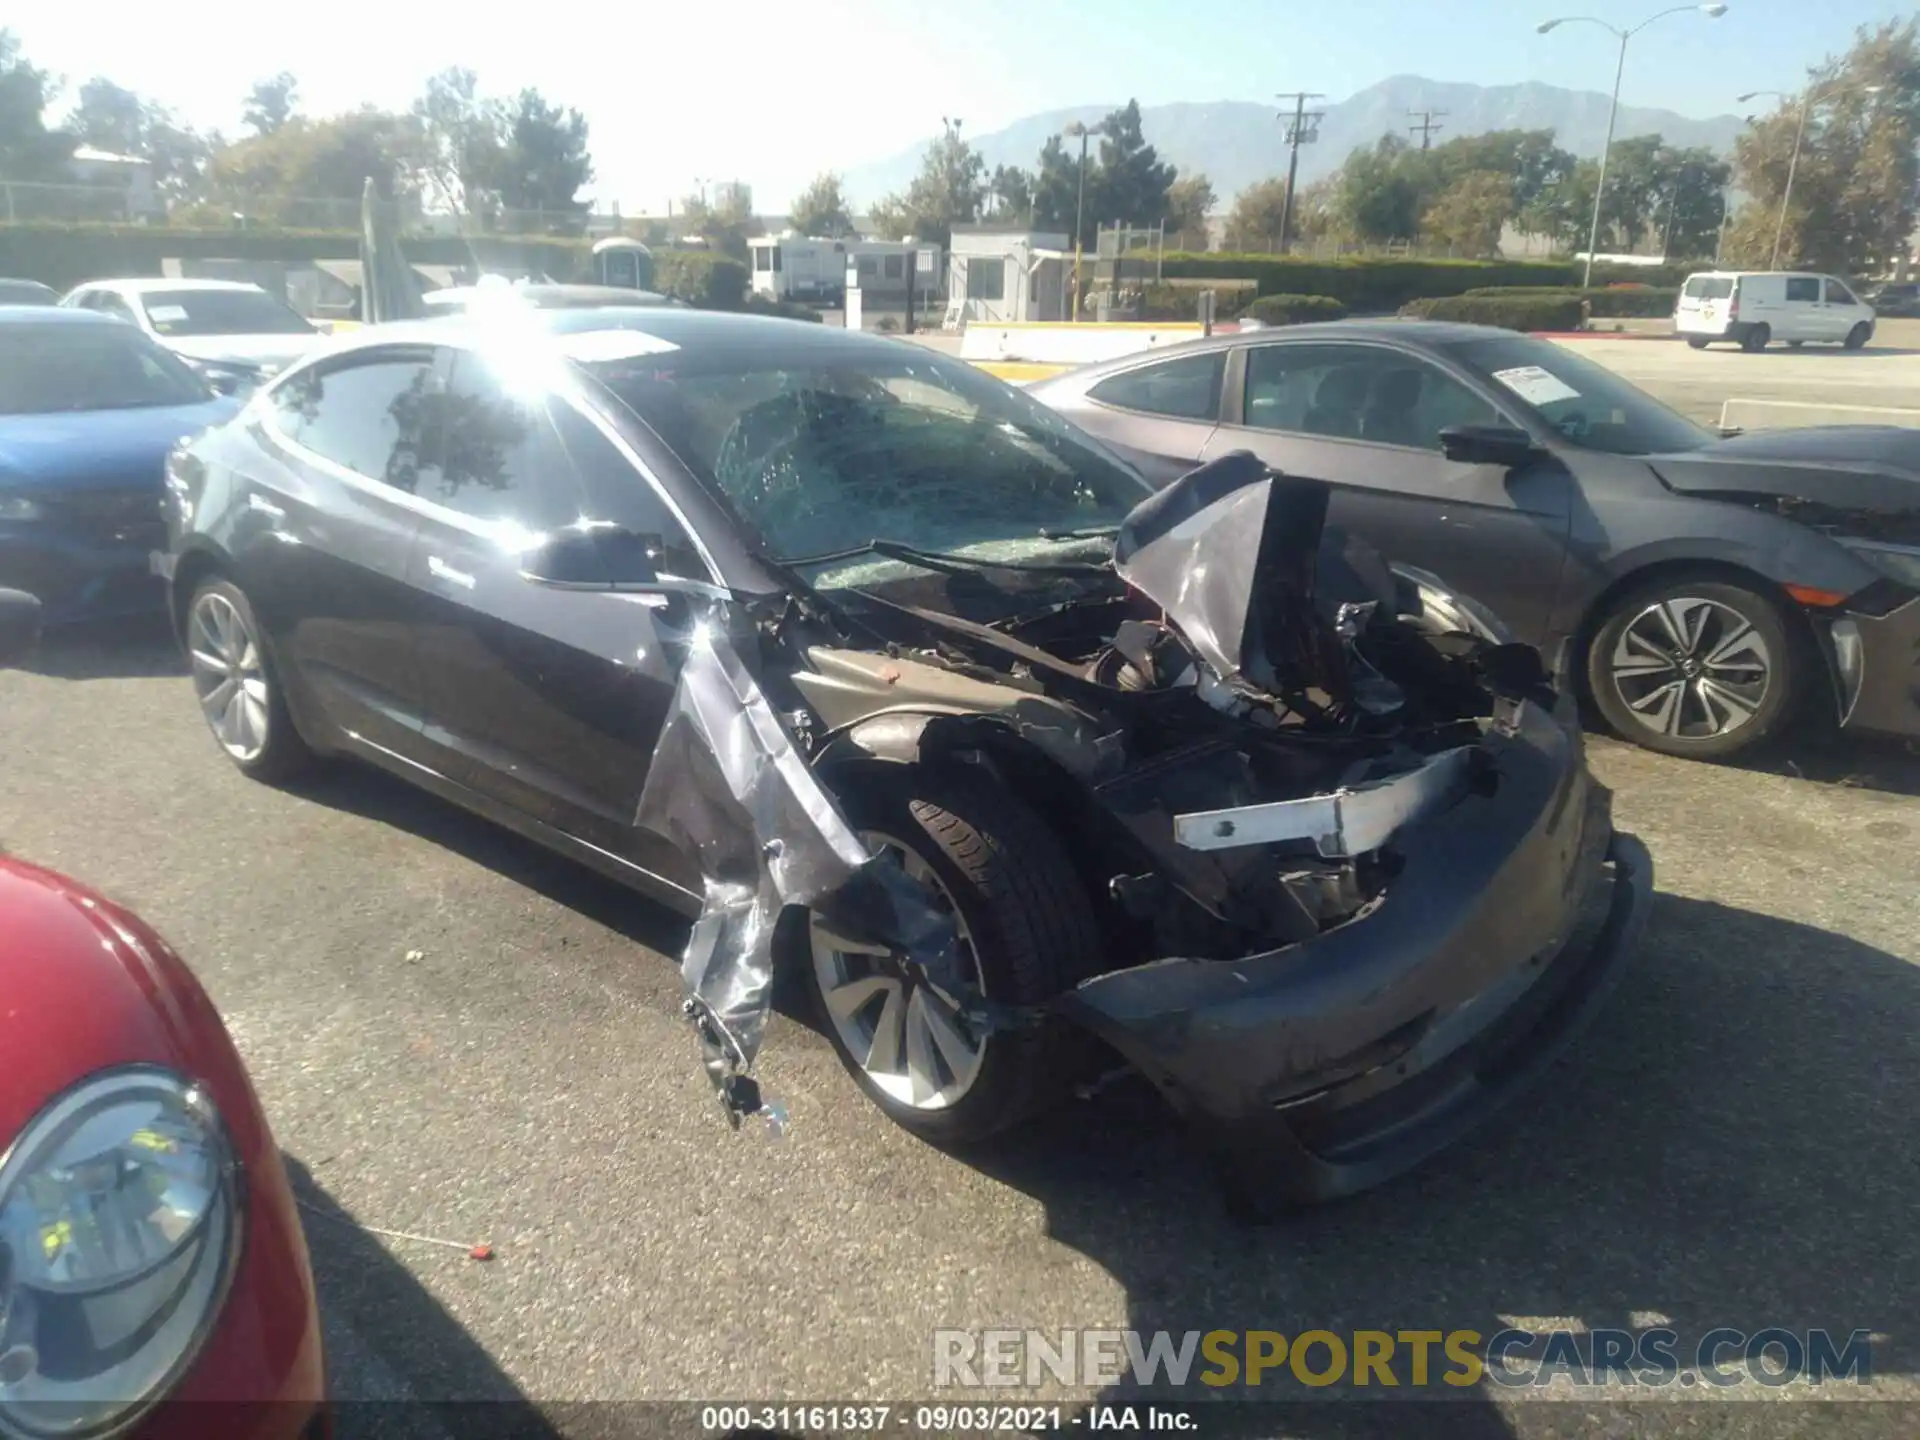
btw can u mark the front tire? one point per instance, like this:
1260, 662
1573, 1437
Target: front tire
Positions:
1756, 339
1695, 667
1858, 336
239, 691
1027, 928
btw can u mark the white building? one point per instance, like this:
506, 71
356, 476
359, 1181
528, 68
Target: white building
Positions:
1005, 275
130, 173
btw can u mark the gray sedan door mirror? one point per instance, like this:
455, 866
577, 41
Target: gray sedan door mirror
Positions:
1488, 445
19, 625
594, 557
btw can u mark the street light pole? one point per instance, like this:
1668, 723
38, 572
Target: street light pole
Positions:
1814, 97
1712, 12
1080, 203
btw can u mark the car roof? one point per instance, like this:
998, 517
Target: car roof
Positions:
1420, 334
55, 315
709, 334
157, 285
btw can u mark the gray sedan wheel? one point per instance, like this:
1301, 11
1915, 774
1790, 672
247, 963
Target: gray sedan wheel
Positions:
1694, 667
234, 681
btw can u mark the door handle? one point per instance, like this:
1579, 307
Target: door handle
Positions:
441, 570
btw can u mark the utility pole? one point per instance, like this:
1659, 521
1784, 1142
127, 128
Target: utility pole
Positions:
1426, 128
1303, 129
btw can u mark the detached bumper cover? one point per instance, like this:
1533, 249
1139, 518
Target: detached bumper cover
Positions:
1879, 669
1326, 1067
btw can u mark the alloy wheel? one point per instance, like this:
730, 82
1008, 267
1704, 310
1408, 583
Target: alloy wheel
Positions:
229, 675
908, 1038
1691, 668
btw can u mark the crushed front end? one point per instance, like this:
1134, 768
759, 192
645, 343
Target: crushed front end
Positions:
1354, 881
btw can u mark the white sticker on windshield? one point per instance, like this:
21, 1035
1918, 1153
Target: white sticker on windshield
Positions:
1535, 385
615, 345
166, 314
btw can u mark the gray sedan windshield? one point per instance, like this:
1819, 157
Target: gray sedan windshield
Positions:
1588, 404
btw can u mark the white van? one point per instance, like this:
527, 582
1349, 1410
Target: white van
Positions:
1755, 307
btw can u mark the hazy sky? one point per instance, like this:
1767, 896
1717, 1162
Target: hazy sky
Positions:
773, 92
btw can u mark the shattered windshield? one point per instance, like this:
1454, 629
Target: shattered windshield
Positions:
921, 452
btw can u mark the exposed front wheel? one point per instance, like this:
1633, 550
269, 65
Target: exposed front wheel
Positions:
1756, 338
235, 683
1694, 667
1027, 932
1858, 336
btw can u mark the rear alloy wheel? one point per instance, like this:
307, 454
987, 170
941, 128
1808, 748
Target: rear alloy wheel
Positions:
1756, 338
1858, 336
1694, 667
233, 680
1026, 931
1698, 342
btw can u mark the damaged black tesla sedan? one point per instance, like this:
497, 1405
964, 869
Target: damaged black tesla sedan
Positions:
883, 671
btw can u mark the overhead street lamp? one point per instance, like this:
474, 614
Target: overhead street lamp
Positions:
1080, 202
1712, 12
1799, 133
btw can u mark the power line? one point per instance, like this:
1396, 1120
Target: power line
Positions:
1426, 128
1303, 128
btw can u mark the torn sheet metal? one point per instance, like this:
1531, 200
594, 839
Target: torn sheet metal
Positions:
1341, 825
728, 786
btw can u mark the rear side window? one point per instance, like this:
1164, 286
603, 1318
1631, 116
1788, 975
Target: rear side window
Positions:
372, 417
1803, 289
1709, 287
1187, 388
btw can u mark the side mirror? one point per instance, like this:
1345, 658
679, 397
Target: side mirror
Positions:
594, 557
1488, 445
19, 625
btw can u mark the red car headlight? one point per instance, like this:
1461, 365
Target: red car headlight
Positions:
119, 1225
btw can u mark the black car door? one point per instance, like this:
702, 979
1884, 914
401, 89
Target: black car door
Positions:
552, 699
1368, 419
322, 531
1158, 415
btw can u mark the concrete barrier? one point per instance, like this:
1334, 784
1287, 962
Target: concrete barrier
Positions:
1064, 343
1797, 414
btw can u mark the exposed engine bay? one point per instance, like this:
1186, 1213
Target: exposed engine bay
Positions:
1231, 720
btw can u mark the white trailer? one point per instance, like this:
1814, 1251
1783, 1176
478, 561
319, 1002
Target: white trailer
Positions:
793, 267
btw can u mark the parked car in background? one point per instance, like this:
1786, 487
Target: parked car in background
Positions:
1755, 308
89, 409
26, 292
234, 333
488, 557
1895, 301
152, 1263
1706, 592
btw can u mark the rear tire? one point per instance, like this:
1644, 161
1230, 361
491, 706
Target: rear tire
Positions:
238, 688
1696, 667
1858, 336
1028, 923
1698, 342
1756, 339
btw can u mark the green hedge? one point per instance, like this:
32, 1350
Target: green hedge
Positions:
1381, 284
1651, 303
64, 255
702, 278
1294, 309
1182, 302
757, 304
1509, 312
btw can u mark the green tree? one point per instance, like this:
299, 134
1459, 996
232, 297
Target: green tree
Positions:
889, 219
1853, 203
948, 191
725, 222
1056, 186
113, 118
1190, 200
821, 209
543, 159
1470, 213
1253, 225
29, 149
463, 137
311, 172
1132, 182
1379, 198
1011, 190
271, 103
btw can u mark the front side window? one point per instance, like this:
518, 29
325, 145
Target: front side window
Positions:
1186, 388
1838, 294
986, 278
1588, 404
176, 313
81, 366
1803, 289
822, 456
1358, 392
372, 416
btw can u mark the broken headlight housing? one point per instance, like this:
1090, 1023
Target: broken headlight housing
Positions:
1896, 562
119, 1226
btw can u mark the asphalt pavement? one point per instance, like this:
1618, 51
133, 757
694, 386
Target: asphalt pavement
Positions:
458, 1035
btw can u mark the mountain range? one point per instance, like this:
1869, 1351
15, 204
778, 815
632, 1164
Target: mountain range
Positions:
1236, 142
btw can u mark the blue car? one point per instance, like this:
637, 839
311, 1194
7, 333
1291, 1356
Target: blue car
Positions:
89, 409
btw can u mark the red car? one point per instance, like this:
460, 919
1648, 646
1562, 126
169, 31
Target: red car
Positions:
153, 1275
